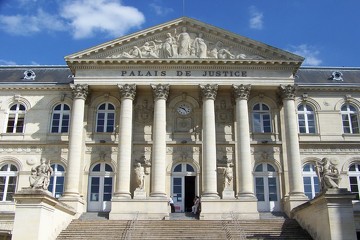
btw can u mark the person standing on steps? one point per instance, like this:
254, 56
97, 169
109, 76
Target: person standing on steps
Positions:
171, 203
195, 207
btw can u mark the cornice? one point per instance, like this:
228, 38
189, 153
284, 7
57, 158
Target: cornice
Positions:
336, 88
33, 86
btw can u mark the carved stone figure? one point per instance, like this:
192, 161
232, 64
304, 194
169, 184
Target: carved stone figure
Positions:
328, 174
140, 176
40, 175
184, 43
200, 47
148, 50
228, 176
169, 47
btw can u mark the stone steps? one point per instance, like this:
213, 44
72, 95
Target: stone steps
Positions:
280, 228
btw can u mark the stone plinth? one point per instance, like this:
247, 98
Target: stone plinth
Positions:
228, 194
38, 215
329, 216
141, 209
212, 209
139, 194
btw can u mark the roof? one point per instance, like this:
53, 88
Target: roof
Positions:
328, 76
35, 74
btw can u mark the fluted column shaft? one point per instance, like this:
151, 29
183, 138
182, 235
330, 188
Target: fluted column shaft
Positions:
292, 141
245, 183
127, 93
158, 173
209, 172
72, 182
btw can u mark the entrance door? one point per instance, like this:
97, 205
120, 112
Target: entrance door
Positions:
100, 188
266, 188
183, 187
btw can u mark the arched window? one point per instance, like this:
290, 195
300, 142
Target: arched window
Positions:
306, 119
311, 181
105, 121
16, 118
261, 118
354, 179
56, 186
350, 119
60, 118
8, 179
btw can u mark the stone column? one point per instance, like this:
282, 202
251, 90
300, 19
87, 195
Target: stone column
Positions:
245, 178
209, 173
123, 174
75, 159
292, 142
158, 174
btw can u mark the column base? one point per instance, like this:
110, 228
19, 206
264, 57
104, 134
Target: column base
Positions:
75, 201
159, 195
210, 196
293, 200
139, 209
122, 195
228, 209
247, 196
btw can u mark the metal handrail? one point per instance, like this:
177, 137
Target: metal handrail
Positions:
238, 229
130, 228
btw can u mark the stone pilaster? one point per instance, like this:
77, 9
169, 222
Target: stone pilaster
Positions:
209, 173
127, 93
160, 92
296, 185
245, 183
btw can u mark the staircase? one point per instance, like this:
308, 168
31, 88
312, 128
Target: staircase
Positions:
184, 228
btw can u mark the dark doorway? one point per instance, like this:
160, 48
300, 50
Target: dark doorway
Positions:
189, 192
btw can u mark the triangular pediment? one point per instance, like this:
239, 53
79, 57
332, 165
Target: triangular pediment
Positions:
181, 39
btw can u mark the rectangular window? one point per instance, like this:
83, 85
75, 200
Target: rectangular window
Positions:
354, 186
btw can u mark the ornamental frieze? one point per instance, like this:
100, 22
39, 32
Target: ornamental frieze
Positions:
181, 43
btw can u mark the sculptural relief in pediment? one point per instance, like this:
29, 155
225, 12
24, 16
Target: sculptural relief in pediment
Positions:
184, 44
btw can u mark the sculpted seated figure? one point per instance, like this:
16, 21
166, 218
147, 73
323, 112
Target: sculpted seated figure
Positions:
40, 175
328, 174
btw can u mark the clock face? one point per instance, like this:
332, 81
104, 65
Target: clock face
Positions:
184, 109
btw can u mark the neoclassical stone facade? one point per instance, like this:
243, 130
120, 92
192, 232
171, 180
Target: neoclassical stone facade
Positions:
182, 109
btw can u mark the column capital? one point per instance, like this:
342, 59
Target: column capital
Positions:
160, 90
127, 91
242, 91
209, 91
288, 92
80, 91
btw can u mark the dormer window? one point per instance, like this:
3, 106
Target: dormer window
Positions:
337, 76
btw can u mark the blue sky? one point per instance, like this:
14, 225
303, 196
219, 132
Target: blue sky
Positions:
43, 32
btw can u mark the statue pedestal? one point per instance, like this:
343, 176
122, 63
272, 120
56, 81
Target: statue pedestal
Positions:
139, 194
38, 215
328, 216
228, 194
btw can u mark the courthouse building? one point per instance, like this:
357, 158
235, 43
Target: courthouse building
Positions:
182, 109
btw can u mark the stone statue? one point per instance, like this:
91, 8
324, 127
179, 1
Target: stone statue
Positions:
140, 176
184, 43
169, 47
40, 175
228, 176
200, 47
328, 174
148, 50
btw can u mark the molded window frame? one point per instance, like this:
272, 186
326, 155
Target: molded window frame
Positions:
8, 181
105, 118
57, 180
16, 118
261, 118
350, 119
311, 180
308, 118
62, 122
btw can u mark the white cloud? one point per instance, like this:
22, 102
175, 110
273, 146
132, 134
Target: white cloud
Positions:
7, 62
310, 53
28, 24
83, 18
256, 18
159, 10
86, 17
